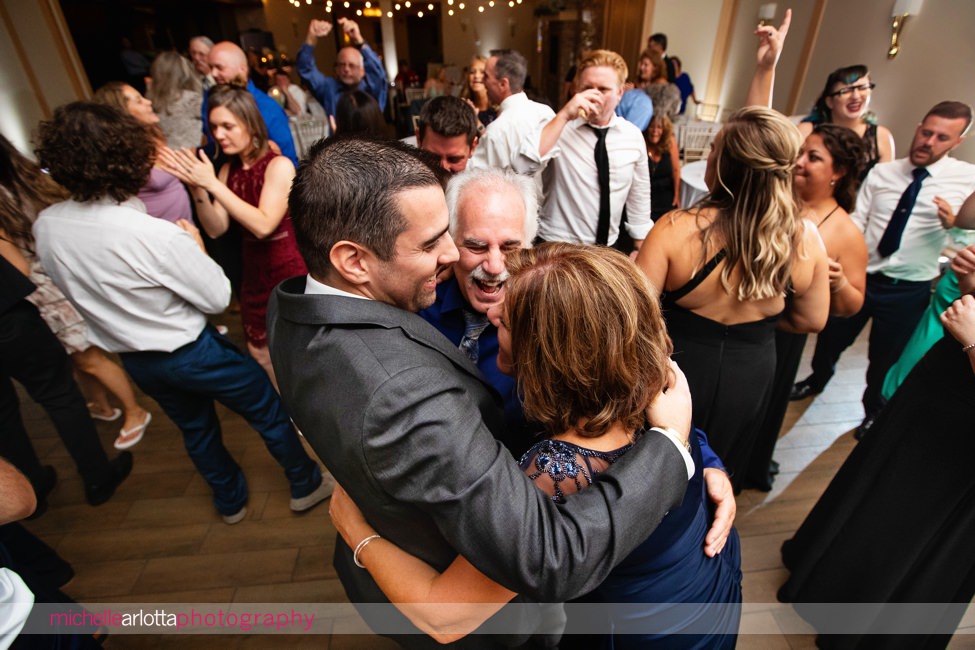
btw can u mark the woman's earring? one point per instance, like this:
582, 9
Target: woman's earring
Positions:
832, 183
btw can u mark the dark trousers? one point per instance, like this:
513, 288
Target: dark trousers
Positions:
186, 382
31, 354
896, 307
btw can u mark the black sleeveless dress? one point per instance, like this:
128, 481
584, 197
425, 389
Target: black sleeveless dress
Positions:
729, 369
661, 186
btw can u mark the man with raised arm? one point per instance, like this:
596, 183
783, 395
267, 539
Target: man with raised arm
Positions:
357, 67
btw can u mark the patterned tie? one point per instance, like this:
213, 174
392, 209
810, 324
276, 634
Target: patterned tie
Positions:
891, 240
474, 325
602, 173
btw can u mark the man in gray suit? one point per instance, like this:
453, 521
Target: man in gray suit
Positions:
406, 422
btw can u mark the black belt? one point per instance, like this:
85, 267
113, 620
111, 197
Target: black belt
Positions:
880, 278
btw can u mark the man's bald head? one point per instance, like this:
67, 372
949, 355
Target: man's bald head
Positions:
349, 67
228, 63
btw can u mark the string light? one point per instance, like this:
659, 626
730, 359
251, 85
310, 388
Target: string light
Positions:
430, 7
491, 3
450, 12
389, 14
480, 9
358, 12
368, 4
407, 4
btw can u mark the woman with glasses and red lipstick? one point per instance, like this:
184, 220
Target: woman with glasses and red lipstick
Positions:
845, 101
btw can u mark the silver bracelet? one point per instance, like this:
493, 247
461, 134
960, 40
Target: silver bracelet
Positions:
359, 547
968, 347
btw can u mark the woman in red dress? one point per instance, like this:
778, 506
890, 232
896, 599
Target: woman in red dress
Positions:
252, 189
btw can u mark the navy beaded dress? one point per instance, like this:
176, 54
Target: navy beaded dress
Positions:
667, 593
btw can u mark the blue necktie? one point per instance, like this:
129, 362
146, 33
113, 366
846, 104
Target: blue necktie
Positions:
474, 325
891, 240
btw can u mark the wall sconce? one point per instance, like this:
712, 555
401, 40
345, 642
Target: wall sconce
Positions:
766, 13
902, 9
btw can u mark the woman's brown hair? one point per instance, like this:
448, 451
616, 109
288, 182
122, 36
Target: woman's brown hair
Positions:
113, 94
240, 102
662, 146
589, 344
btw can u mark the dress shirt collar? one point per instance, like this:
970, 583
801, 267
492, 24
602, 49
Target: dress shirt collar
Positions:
453, 299
133, 202
579, 123
513, 101
314, 287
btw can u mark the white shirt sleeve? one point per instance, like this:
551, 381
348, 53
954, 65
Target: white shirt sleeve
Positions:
192, 274
681, 447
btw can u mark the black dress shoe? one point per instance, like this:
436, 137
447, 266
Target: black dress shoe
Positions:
803, 389
99, 493
42, 488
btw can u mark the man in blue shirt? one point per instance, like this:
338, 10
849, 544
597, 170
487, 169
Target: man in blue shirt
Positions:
228, 64
492, 212
356, 67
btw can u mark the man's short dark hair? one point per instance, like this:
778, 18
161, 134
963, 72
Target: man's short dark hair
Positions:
346, 189
512, 66
95, 150
661, 40
448, 117
952, 111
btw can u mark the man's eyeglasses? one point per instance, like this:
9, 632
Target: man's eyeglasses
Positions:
863, 89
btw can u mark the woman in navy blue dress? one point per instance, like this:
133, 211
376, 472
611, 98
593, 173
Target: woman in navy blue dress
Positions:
582, 333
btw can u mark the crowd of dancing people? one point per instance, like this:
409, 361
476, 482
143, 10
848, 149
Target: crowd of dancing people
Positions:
534, 380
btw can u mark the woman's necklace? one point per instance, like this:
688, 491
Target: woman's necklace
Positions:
828, 215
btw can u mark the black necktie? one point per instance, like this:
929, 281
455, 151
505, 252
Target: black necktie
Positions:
602, 172
891, 240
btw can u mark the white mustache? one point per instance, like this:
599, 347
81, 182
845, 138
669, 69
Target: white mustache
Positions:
481, 275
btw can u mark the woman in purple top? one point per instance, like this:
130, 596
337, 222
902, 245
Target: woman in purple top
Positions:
164, 195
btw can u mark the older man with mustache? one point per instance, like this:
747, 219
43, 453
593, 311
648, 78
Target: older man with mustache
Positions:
492, 212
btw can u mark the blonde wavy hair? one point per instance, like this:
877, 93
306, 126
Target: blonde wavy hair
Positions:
589, 344
758, 214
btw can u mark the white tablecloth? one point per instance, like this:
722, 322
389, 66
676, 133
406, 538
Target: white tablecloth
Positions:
692, 186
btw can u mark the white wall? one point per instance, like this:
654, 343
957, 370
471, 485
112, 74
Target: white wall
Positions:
691, 27
47, 55
936, 61
468, 32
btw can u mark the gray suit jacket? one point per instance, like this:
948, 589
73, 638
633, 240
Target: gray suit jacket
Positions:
404, 422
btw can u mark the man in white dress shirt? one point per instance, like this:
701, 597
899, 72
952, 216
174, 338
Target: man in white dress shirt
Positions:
502, 142
584, 204
145, 286
904, 209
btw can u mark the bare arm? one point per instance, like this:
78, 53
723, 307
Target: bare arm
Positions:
809, 308
966, 214
770, 42
847, 273
447, 605
959, 320
584, 103
885, 144
260, 220
963, 264
675, 165
18, 499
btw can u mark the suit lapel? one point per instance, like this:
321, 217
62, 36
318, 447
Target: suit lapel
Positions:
340, 311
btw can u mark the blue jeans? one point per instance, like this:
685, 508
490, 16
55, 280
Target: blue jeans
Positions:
186, 382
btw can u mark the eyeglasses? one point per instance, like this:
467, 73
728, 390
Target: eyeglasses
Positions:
863, 89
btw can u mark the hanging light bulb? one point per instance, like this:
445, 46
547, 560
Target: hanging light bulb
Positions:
430, 7
328, 9
481, 9
389, 14
368, 4
407, 4
450, 12
460, 6
396, 6
419, 14
358, 12
346, 4
491, 3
